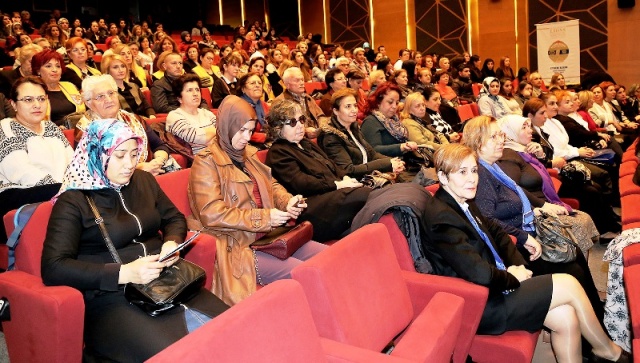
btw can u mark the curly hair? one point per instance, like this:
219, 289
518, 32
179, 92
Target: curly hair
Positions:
281, 110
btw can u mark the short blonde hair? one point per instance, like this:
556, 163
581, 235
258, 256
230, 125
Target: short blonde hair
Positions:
107, 60
375, 75
447, 158
476, 132
584, 97
408, 103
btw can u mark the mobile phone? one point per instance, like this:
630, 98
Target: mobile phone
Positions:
179, 247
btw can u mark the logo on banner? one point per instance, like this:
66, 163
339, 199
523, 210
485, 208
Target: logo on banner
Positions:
558, 51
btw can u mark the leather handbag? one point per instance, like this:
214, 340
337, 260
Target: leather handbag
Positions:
556, 238
377, 179
175, 285
284, 241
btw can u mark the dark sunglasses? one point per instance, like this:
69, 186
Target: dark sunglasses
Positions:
293, 122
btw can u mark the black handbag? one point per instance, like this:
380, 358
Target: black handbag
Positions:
556, 238
175, 285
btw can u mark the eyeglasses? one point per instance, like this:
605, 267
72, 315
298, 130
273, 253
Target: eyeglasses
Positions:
30, 100
293, 121
103, 96
498, 136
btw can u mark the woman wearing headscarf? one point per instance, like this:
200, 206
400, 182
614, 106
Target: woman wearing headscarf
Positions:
490, 102
302, 167
520, 163
234, 197
135, 211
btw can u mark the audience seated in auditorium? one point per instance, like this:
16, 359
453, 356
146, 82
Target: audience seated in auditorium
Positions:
162, 97
490, 102
419, 127
442, 125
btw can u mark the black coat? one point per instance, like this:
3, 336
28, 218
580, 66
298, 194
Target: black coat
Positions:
578, 135
7, 78
75, 254
339, 147
455, 249
312, 174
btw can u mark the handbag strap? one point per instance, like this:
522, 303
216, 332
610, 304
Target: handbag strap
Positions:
103, 229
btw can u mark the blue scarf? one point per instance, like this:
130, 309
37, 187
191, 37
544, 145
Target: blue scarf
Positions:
256, 106
527, 212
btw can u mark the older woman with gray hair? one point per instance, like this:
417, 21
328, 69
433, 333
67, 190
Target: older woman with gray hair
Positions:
100, 94
303, 168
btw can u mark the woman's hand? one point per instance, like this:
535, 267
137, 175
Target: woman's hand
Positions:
141, 271
605, 137
555, 209
296, 205
397, 165
534, 248
520, 272
311, 132
454, 137
535, 149
166, 248
347, 182
586, 152
408, 146
279, 217
558, 163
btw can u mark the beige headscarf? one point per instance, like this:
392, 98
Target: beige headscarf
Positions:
511, 126
233, 113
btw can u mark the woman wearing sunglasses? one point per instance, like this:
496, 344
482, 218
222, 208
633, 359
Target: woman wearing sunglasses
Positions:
333, 198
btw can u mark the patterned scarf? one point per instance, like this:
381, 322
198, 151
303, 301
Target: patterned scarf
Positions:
132, 122
486, 84
88, 168
393, 125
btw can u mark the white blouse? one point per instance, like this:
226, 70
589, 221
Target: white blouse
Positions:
28, 159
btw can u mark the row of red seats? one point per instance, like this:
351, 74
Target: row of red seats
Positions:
629, 200
47, 321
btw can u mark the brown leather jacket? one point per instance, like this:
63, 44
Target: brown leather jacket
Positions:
222, 201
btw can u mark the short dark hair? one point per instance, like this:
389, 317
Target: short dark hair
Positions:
178, 84
13, 94
330, 77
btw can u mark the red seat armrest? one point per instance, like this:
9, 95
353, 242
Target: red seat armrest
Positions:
202, 252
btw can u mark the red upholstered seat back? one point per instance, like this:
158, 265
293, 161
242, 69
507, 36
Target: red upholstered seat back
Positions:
29, 250
273, 325
174, 185
356, 289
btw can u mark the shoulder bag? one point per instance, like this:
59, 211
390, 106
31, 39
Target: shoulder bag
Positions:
556, 238
284, 241
176, 284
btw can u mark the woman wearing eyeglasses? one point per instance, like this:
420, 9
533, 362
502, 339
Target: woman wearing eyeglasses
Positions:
34, 153
234, 197
499, 197
101, 95
333, 198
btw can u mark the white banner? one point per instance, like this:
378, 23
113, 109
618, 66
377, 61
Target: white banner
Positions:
559, 50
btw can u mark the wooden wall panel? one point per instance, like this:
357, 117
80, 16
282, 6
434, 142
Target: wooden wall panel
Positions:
623, 51
349, 22
496, 36
254, 10
313, 17
231, 12
441, 26
389, 26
